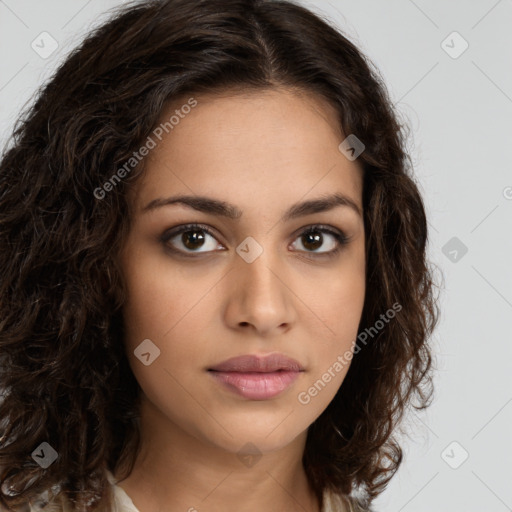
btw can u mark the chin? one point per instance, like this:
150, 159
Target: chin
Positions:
260, 436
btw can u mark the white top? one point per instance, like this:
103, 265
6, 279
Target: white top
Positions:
123, 502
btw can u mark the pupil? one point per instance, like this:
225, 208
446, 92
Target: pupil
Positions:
192, 239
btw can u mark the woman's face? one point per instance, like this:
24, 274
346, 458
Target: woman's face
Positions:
256, 172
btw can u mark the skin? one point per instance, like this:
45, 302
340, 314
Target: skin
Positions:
263, 152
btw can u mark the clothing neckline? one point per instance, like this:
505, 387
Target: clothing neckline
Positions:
123, 502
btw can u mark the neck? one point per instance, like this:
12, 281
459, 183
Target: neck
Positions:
177, 471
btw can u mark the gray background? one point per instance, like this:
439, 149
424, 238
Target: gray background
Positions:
459, 107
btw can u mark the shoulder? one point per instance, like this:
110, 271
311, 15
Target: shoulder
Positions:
334, 502
121, 501
58, 504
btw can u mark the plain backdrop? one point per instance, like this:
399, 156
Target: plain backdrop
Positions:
448, 67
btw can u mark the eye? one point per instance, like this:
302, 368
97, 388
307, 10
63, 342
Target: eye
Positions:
313, 238
196, 238
190, 239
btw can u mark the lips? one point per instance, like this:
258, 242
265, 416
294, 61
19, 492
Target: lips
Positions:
256, 377
262, 364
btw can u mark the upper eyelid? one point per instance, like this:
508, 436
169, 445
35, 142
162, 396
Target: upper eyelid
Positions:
172, 232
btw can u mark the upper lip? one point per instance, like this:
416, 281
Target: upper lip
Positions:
255, 363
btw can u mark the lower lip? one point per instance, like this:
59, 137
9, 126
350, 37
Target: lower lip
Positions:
257, 386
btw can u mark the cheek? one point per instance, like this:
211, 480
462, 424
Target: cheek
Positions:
342, 307
336, 298
148, 306
166, 306
156, 296
347, 293
160, 308
344, 304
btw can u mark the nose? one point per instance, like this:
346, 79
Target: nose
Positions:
259, 297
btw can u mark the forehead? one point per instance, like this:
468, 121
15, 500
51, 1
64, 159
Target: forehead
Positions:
278, 145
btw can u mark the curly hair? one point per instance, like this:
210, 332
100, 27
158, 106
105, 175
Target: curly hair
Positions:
65, 378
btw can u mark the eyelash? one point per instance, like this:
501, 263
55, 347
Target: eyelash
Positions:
340, 238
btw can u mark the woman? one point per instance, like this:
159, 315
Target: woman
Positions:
215, 292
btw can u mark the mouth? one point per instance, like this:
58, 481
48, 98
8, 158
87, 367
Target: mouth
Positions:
255, 377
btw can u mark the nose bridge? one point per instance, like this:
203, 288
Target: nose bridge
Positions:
259, 293
260, 277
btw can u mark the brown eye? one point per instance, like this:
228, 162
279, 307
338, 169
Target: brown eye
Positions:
316, 237
190, 239
312, 241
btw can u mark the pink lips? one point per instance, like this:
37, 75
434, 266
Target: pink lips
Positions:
257, 377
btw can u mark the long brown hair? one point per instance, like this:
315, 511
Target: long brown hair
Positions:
64, 376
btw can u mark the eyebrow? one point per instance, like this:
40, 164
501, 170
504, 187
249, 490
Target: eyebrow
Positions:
224, 209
